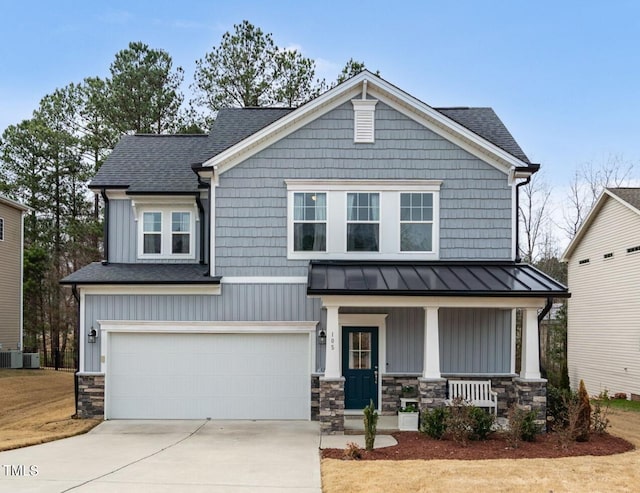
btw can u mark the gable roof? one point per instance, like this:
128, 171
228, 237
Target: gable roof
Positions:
485, 123
474, 134
147, 163
629, 197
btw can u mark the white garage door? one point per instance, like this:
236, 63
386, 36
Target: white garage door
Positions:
218, 376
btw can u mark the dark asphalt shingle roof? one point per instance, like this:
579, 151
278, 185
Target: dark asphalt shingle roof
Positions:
629, 195
485, 123
152, 163
235, 124
163, 163
431, 279
98, 273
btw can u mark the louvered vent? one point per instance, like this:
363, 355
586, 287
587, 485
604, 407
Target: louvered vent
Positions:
364, 120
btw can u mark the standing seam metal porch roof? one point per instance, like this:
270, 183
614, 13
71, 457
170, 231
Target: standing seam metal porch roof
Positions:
387, 278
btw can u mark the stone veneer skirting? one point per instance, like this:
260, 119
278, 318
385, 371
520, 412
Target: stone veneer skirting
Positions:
315, 397
331, 410
90, 395
532, 396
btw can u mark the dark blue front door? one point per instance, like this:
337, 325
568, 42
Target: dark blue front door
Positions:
360, 366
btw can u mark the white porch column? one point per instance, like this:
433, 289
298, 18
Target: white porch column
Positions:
530, 364
332, 358
431, 364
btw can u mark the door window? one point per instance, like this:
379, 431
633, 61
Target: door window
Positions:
360, 350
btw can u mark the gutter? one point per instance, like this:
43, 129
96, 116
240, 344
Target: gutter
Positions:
206, 186
105, 233
202, 225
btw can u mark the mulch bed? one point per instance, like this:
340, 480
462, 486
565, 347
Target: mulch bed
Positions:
416, 446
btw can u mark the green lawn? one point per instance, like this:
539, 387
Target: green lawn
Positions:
625, 405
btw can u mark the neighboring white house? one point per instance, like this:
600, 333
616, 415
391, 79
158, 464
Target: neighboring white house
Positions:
604, 310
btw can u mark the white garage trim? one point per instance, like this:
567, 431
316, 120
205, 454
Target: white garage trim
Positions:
110, 329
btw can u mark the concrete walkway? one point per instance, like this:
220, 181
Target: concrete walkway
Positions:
170, 456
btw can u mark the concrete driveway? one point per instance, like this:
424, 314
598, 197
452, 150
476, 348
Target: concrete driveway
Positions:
170, 456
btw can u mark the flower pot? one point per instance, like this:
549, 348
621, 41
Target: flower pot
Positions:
408, 421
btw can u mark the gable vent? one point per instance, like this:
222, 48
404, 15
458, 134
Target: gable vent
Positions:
364, 120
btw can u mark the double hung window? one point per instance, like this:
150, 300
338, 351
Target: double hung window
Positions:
309, 222
166, 233
416, 222
363, 222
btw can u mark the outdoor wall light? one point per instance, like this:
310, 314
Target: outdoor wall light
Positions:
92, 336
322, 337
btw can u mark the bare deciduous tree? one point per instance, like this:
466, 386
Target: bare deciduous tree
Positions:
534, 217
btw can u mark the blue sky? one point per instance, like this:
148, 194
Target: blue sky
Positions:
563, 75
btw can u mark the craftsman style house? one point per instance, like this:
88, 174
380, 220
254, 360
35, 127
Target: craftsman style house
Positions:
296, 263
603, 333
11, 254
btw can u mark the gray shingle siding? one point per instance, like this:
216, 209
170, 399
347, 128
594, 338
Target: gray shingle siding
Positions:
251, 200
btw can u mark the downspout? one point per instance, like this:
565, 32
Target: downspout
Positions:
105, 234
521, 184
201, 213
541, 315
76, 295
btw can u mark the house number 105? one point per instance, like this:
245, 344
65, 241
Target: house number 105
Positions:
333, 347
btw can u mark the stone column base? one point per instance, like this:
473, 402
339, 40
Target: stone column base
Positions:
331, 412
432, 392
90, 395
532, 395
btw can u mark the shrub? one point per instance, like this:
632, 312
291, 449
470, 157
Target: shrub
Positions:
459, 422
522, 426
583, 422
352, 452
557, 401
370, 425
620, 395
599, 419
481, 423
433, 422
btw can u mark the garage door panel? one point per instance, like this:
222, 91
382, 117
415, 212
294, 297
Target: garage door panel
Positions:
195, 376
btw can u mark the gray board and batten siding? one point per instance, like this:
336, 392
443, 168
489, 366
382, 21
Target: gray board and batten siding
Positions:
472, 340
123, 234
251, 199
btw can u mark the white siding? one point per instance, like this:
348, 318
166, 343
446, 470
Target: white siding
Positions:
604, 310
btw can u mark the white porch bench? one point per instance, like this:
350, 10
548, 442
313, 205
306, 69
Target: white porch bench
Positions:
475, 392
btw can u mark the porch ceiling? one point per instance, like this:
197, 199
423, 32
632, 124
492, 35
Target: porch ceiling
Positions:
386, 278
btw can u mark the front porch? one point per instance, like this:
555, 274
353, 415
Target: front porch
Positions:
467, 332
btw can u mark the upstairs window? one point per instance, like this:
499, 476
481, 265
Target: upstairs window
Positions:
164, 233
416, 222
309, 222
152, 232
180, 232
363, 222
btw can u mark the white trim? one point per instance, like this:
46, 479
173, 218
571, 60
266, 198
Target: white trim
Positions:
512, 366
166, 233
378, 320
297, 185
514, 222
152, 289
82, 332
566, 256
389, 94
434, 301
207, 327
389, 225
212, 227
364, 118
264, 280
